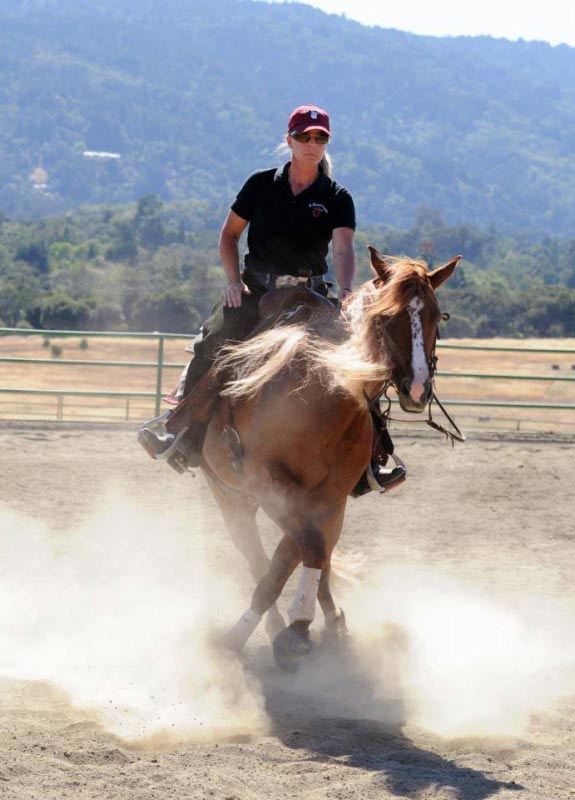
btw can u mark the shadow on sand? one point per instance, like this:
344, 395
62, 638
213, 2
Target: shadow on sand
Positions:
333, 708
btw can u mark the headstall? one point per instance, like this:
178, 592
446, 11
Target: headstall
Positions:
452, 436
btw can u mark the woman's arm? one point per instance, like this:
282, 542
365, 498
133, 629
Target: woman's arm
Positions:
230, 234
343, 259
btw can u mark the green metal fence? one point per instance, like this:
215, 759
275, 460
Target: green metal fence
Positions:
159, 365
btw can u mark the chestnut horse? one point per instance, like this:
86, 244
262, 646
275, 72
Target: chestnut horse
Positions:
300, 406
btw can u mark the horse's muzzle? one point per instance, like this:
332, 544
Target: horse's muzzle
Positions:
411, 403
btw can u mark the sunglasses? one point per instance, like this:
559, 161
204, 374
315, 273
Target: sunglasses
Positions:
304, 138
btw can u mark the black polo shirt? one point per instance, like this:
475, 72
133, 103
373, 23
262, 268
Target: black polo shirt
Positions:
287, 233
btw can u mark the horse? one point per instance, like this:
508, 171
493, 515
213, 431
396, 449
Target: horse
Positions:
298, 405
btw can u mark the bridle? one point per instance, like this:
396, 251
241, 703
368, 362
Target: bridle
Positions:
375, 402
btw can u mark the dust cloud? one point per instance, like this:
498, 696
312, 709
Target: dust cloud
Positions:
120, 614
464, 661
431, 651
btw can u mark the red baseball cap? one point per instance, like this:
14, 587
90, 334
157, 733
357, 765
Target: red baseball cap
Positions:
308, 118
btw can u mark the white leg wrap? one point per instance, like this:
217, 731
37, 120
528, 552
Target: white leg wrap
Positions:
243, 629
303, 606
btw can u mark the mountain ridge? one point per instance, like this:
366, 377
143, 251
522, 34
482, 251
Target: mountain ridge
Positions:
195, 96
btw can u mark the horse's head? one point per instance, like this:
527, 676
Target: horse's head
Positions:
409, 314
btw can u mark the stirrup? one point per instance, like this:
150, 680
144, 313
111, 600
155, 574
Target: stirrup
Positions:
166, 454
152, 435
153, 444
175, 457
386, 479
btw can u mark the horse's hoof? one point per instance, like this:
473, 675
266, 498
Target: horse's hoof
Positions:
336, 635
291, 645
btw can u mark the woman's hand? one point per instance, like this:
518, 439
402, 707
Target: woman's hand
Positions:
233, 294
230, 234
343, 293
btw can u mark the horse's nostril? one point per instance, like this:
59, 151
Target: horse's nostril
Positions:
405, 386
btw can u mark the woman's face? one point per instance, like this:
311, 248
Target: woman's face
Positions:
309, 153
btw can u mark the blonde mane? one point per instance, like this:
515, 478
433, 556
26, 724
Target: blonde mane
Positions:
366, 353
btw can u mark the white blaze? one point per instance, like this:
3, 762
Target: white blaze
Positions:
419, 365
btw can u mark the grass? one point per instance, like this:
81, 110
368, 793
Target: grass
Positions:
58, 375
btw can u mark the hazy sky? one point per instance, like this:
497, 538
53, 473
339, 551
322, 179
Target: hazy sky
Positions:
551, 21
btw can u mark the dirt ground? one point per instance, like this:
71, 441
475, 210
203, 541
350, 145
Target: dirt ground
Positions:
485, 528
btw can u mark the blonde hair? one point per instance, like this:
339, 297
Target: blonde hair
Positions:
283, 151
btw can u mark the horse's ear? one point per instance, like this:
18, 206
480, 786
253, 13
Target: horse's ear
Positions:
378, 264
441, 274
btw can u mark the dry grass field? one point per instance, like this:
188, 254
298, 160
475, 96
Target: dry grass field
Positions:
57, 375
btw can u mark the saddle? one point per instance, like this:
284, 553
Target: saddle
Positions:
293, 305
283, 306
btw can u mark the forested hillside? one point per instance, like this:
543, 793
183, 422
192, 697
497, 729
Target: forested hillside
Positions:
149, 266
192, 95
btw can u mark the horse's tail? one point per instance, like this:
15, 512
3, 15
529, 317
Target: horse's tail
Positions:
259, 360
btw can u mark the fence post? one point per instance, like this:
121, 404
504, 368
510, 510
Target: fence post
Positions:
159, 369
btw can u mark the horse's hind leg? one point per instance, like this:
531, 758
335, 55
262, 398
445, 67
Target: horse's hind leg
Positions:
336, 633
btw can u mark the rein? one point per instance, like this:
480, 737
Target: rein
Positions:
452, 436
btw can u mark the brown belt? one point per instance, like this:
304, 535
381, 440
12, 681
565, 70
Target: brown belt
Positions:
270, 280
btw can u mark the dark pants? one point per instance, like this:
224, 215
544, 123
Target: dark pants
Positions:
222, 326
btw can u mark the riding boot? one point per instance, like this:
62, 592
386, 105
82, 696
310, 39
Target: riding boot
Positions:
378, 477
178, 435
153, 437
182, 429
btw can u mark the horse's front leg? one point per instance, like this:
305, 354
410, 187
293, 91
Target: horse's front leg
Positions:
239, 515
283, 562
243, 530
294, 642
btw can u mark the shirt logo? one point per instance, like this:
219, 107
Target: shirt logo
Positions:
317, 209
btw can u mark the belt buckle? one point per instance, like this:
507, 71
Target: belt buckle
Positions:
289, 280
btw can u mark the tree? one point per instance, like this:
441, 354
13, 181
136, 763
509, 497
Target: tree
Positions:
35, 254
169, 311
148, 221
19, 291
62, 312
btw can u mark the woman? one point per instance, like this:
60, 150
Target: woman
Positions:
292, 214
